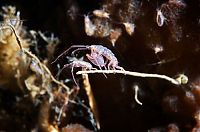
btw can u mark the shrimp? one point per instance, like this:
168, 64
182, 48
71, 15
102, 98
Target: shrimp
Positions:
77, 63
97, 53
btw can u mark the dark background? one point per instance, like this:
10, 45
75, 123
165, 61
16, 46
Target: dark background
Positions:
114, 95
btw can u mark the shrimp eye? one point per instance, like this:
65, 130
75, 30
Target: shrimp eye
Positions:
93, 49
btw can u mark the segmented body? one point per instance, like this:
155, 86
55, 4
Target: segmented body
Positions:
78, 63
107, 53
97, 55
96, 59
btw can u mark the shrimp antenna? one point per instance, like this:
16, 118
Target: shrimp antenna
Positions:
66, 51
72, 71
58, 74
78, 50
